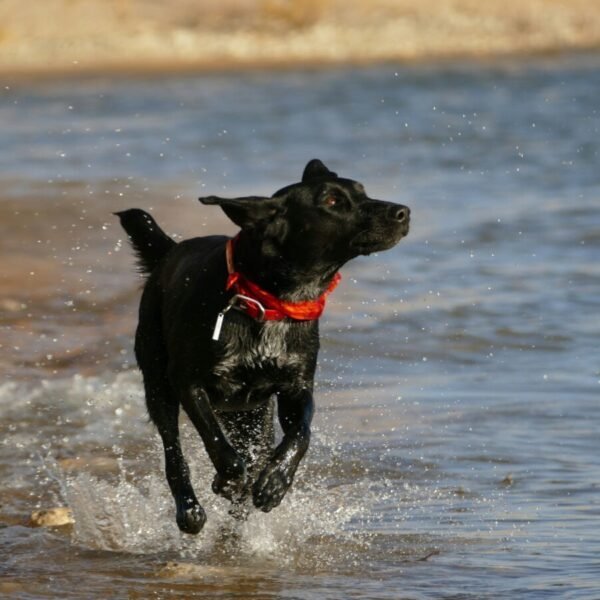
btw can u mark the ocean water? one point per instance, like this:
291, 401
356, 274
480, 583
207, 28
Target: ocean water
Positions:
455, 452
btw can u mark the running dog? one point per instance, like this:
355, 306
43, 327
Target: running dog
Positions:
228, 328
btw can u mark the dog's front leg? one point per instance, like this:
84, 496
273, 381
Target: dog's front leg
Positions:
231, 478
295, 412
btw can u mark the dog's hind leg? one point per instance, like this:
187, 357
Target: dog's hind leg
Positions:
165, 412
163, 408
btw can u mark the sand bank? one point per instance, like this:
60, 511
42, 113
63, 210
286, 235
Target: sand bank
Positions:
88, 35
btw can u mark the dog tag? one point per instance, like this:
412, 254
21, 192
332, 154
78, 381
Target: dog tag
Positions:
218, 324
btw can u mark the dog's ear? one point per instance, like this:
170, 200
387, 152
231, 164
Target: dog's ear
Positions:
248, 212
315, 170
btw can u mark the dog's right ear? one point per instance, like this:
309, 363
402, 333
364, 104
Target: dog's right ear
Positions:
248, 212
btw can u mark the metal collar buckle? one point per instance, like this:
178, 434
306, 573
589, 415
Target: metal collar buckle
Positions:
235, 302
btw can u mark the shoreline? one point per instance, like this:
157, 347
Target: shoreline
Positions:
65, 38
142, 70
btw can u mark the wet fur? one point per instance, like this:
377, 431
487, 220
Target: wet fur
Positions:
291, 244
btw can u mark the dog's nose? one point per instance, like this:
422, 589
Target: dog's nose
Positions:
400, 213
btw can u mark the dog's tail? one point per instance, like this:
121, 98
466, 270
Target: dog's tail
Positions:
149, 241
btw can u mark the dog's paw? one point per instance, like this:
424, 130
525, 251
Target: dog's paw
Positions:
191, 519
235, 489
269, 490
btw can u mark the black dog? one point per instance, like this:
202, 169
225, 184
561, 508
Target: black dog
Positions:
226, 367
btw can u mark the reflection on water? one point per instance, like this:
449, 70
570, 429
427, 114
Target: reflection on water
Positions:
455, 450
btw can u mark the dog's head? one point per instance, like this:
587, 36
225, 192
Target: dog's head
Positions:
322, 219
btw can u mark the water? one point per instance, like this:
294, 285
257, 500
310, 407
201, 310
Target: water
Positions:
455, 451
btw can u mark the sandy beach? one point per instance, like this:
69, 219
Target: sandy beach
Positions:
136, 35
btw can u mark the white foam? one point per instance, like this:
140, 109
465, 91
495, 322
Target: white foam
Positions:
133, 511
341, 492
138, 515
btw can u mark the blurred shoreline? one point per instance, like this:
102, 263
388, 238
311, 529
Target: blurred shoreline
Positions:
128, 36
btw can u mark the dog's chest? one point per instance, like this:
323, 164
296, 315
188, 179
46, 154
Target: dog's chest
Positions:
264, 353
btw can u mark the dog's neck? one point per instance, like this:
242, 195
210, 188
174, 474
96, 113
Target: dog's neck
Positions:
287, 281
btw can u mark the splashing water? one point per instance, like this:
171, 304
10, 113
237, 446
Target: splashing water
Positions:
126, 511
337, 507
132, 514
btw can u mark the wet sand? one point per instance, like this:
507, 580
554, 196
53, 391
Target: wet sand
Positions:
133, 35
68, 289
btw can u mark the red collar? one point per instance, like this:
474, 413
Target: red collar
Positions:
264, 306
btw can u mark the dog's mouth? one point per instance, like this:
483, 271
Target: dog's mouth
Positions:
369, 240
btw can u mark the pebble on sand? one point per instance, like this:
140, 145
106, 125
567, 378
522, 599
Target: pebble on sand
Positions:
52, 517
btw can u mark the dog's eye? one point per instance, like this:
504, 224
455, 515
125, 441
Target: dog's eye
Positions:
330, 201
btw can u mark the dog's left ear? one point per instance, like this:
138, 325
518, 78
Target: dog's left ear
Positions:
316, 170
248, 212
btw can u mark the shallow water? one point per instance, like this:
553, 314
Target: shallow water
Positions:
455, 451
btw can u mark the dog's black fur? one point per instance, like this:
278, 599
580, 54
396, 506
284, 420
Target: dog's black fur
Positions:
291, 244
